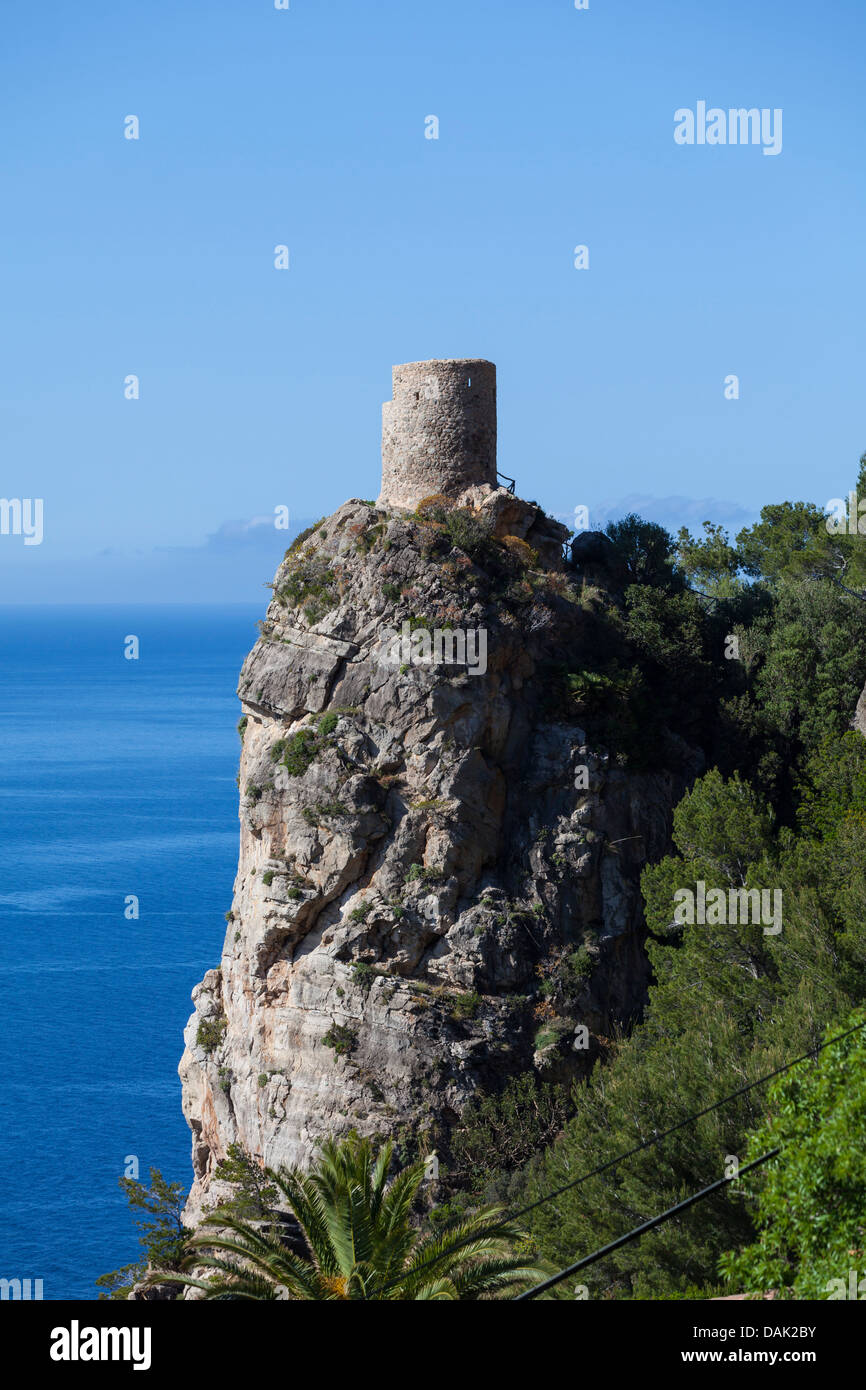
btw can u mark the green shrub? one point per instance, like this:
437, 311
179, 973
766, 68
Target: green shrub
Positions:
466, 1005
341, 1038
578, 966
298, 752
416, 871
499, 1132
268, 877
310, 583
364, 974
470, 535
211, 1032
360, 913
242, 726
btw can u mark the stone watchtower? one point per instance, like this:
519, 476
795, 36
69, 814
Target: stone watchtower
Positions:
439, 431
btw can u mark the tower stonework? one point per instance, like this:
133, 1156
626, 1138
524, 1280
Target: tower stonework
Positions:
439, 431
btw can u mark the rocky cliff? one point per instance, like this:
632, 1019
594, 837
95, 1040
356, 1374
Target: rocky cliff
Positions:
438, 875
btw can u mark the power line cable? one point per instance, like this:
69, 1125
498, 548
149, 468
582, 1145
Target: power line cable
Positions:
641, 1230
698, 1115
648, 1143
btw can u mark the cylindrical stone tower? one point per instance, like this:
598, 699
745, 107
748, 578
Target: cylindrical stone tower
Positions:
439, 431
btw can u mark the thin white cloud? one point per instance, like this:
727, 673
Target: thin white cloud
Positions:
671, 512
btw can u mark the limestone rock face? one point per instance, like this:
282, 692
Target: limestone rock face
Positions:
437, 884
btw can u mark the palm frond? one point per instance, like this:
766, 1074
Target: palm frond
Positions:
358, 1241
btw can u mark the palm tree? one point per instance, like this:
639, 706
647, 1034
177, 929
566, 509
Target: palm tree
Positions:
358, 1242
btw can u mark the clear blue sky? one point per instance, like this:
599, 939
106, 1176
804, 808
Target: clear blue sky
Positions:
306, 127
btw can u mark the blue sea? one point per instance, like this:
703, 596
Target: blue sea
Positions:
118, 779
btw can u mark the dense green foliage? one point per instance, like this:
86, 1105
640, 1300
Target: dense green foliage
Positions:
210, 1033
780, 807
811, 1200
642, 553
